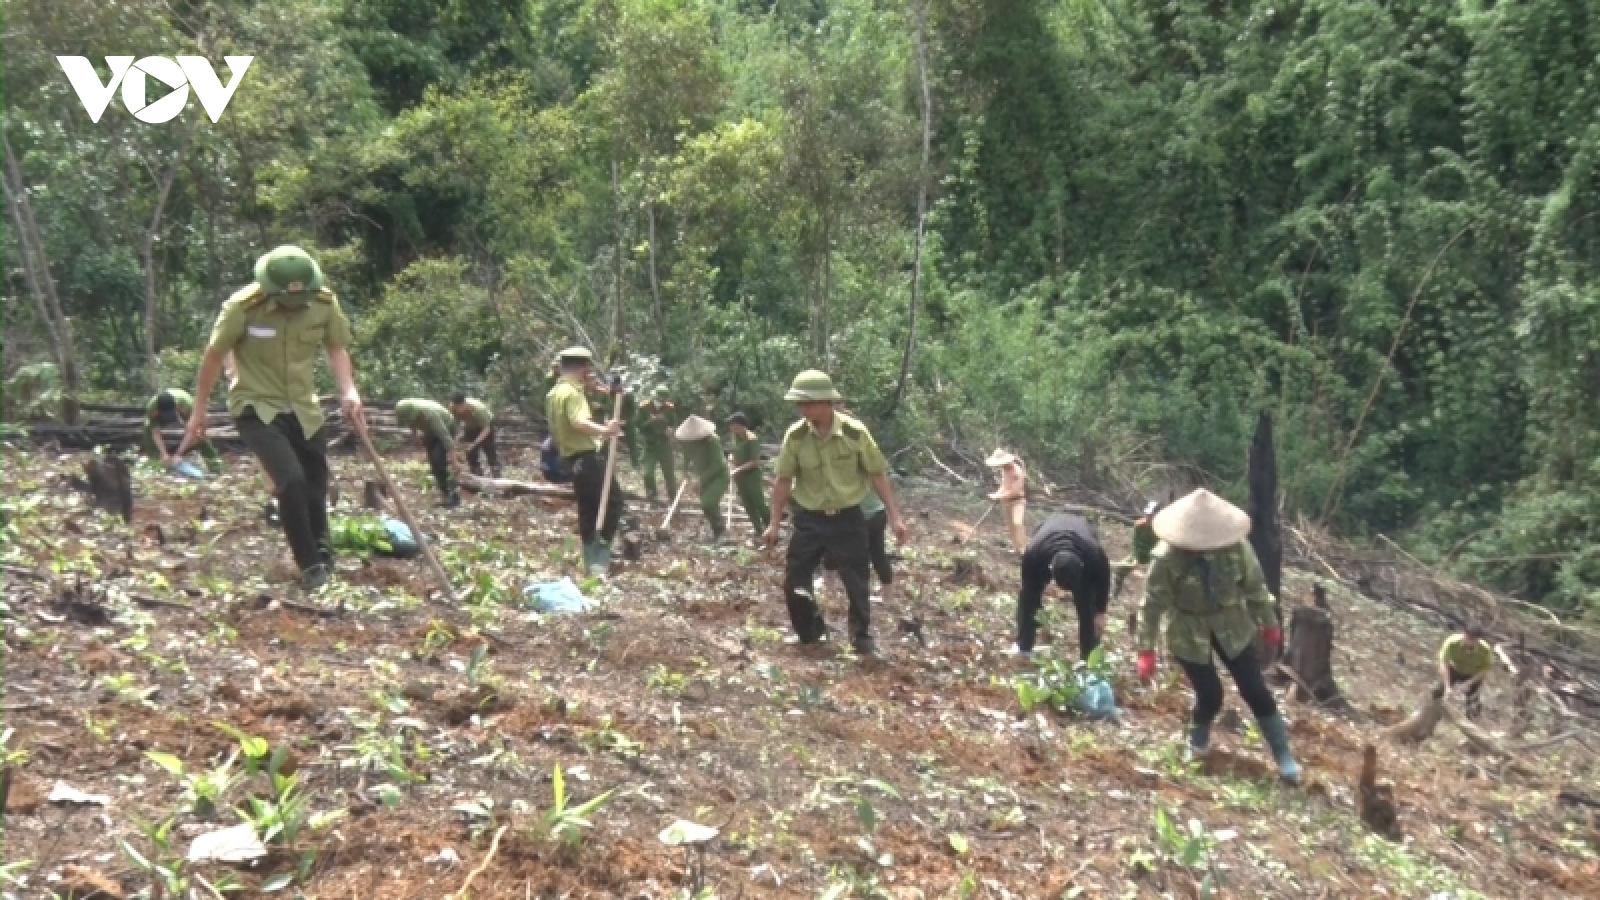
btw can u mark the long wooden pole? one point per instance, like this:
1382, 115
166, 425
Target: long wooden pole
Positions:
439, 573
611, 457
682, 486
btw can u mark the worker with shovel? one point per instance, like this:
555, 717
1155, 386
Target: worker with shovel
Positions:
174, 407
1013, 494
477, 433
1205, 577
656, 420
579, 439
430, 424
746, 462
827, 464
702, 449
274, 327
1065, 550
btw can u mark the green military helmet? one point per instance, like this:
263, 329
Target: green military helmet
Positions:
661, 392
289, 275
812, 386
576, 355
406, 412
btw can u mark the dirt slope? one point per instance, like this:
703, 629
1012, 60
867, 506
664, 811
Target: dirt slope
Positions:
917, 776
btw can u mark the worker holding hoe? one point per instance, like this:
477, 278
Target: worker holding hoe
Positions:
477, 433
579, 439
702, 449
274, 327
1205, 577
828, 463
1465, 660
746, 462
655, 420
1012, 495
174, 407
1066, 550
430, 424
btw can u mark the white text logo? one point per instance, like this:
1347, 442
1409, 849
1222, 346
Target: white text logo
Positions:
186, 72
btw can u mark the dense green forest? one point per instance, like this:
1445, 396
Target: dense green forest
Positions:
1110, 230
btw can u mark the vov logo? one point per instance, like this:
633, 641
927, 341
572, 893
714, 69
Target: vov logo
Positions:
186, 72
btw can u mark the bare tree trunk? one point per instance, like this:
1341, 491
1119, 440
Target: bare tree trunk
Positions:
826, 299
619, 324
58, 328
922, 212
1264, 534
24, 253
655, 285
147, 256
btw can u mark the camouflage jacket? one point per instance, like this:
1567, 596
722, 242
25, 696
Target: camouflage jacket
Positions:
1218, 594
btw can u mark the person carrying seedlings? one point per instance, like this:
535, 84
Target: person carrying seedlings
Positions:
579, 439
656, 420
746, 462
274, 328
173, 407
477, 432
430, 424
1013, 494
702, 450
1205, 578
828, 463
1065, 550
1465, 660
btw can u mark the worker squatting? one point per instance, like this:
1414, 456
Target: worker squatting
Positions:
1203, 589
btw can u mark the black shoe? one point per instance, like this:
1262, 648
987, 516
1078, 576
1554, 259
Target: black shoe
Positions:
313, 579
451, 501
270, 512
864, 647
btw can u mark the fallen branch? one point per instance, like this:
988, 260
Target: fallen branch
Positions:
494, 846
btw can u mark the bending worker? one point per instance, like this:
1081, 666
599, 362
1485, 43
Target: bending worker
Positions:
477, 433
702, 450
430, 425
1065, 550
174, 407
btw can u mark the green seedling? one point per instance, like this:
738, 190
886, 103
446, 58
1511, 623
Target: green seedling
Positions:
166, 865
203, 792
565, 823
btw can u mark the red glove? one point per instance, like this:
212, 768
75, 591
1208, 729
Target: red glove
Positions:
1147, 665
1272, 636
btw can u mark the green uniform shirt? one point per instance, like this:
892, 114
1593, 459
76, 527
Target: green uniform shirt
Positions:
275, 349
705, 458
478, 414
563, 407
831, 473
1220, 593
744, 451
1464, 660
433, 418
184, 399
656, 422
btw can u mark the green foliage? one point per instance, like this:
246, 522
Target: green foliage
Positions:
562, 822
1057, 683
33, 392
362, 536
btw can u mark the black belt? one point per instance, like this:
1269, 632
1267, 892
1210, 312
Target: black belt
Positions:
829, 512
577, 456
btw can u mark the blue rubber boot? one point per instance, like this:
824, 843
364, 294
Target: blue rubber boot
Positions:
1199, 740
1276, 733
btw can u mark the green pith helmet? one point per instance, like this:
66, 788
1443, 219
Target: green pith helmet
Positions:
289, 275
661, 392
576, 355
406, 412
812, 386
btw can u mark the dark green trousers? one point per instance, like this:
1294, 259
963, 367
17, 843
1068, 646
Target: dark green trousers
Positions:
659, 455
843, 538
439, 462
754, 500
486, 450
712, 490
297, 463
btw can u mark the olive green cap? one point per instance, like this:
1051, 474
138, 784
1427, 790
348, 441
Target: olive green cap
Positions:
812, 386
289, 275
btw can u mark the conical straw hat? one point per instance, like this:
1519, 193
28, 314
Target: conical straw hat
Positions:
1000, 458
695, 428
1201, 521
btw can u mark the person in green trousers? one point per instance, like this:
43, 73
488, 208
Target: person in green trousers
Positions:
702, 450
656, 420
746, 472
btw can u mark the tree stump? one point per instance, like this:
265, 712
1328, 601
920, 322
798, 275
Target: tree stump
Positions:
373, 496
110, 485
1311, 655
1375, 800
1265, 536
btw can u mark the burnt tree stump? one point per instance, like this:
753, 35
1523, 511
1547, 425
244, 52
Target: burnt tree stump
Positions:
110, 485
1265, 539
1310, 655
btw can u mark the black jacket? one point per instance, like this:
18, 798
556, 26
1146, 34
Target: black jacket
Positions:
1064, 533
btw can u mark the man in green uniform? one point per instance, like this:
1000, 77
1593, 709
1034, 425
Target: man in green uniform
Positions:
827, 464
579, 439
702, 450
746, 461
1205, 578
173, 407
1464, 662
630, 411
274, 327
477, 432
430, 423
656, 420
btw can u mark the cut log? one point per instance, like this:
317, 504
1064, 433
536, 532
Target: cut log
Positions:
1419, 726
509, 488
1375, 799
1311, 656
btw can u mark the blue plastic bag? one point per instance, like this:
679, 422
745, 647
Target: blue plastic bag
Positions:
186, 469
550, 463
1095, 698
557, 597
402, 544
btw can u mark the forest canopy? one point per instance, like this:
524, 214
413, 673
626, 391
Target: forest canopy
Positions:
1111, 230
